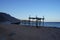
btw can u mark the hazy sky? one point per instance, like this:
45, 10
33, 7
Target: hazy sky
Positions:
21, 9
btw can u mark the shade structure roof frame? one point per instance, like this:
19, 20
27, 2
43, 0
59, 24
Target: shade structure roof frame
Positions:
36, 18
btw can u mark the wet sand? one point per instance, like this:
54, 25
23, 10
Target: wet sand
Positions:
18, 32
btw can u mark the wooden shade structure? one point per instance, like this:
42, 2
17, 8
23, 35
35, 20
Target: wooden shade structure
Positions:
37, 20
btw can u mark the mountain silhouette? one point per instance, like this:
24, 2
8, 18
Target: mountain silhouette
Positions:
4, 17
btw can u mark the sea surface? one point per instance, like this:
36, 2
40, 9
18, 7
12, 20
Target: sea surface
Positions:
46, 24
52, 24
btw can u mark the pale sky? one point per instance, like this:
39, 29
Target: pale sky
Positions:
21, 9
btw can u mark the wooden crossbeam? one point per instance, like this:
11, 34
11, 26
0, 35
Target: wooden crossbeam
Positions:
36, 18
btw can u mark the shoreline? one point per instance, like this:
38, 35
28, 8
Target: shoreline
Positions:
42, 26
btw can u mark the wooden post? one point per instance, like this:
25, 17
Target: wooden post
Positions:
40, 22
43, 20
36, 22
29, 20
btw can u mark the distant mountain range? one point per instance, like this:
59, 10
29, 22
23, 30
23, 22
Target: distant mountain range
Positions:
4, 17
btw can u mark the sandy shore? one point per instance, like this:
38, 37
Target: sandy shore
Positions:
18, 32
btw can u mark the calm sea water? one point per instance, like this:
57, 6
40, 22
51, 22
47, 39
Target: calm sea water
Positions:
52, 24
47, 24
